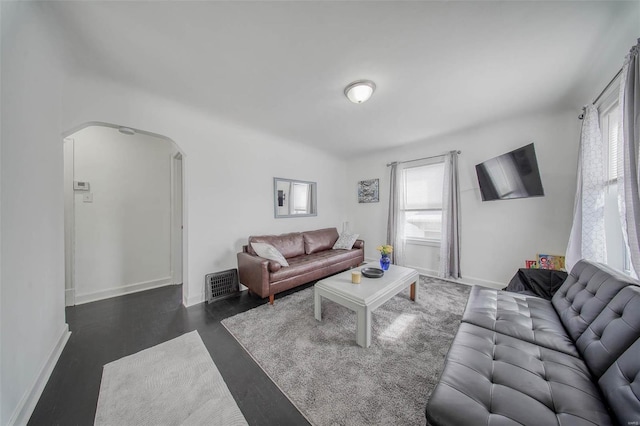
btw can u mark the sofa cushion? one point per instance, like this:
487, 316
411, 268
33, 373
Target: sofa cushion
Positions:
529, 318
612, 332
319, 240
585, 293
493, 379
307, 263
290, 245
620, 385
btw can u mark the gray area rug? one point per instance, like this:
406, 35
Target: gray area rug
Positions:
331, 379
174, 383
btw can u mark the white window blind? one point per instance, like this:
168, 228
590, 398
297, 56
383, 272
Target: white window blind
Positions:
610, 133
609, 121
613, 145
423, 201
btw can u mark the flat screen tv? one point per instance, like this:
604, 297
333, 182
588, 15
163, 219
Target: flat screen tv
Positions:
511, 175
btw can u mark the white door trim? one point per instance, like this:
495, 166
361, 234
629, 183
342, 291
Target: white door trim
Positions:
69, 223
177, 212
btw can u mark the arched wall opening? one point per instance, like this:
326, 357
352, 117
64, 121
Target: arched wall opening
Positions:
124, 212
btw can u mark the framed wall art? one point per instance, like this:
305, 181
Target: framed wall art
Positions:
368, 191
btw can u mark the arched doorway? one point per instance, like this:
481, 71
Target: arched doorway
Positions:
124, 209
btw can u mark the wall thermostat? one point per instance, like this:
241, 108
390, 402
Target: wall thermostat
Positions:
80, 186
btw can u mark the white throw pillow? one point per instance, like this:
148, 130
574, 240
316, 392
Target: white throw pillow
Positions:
269, 252
345, 242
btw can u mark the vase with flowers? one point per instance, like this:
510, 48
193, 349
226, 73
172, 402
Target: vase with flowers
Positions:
385, 253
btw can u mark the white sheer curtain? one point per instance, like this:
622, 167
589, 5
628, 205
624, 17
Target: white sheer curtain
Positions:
395, 225
450, 242
629, 150
587, 239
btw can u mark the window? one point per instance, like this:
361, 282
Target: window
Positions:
423, 201
617, 253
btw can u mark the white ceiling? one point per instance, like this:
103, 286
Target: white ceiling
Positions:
281, 67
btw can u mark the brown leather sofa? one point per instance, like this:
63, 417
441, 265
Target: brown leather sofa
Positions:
310, 257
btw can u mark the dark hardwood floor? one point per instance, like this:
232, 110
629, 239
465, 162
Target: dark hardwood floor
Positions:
110, 329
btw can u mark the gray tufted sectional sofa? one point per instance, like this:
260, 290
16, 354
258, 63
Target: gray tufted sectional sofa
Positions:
523, 360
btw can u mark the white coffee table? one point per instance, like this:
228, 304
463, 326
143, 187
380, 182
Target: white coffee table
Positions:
365, 297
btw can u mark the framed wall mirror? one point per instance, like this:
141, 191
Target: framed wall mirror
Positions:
294, 198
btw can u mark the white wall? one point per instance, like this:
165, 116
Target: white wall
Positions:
607, 55
122, 237
497, 236
32, 323
229, 171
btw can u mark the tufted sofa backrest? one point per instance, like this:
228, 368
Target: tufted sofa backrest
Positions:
587, 290
319, 240
600, 309
612, 332
620, 385
289, 245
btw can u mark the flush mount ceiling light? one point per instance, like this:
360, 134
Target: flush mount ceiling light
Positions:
360, 91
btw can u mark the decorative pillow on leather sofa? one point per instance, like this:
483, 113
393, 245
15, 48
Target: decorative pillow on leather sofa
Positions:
345, 241
269, 252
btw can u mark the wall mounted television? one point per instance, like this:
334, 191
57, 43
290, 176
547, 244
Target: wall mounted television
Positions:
511, 175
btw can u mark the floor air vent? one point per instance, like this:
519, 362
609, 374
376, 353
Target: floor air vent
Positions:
221, 284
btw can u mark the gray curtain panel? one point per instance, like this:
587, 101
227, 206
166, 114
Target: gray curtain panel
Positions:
629, 196
395, 225
394, 206
450, 242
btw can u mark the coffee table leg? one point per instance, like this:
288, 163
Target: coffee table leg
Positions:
413, 292
318, 305
363, 327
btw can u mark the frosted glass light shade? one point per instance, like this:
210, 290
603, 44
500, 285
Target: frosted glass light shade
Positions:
360, 91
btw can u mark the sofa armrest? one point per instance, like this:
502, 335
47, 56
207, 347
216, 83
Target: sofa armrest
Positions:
253, 272
359, 244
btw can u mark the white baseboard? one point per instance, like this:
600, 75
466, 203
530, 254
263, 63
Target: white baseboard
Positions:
69, 297
465, 280
30, 398
470, 281
120, 291
481, 282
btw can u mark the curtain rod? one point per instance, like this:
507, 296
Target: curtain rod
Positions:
424, 158
581, 116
